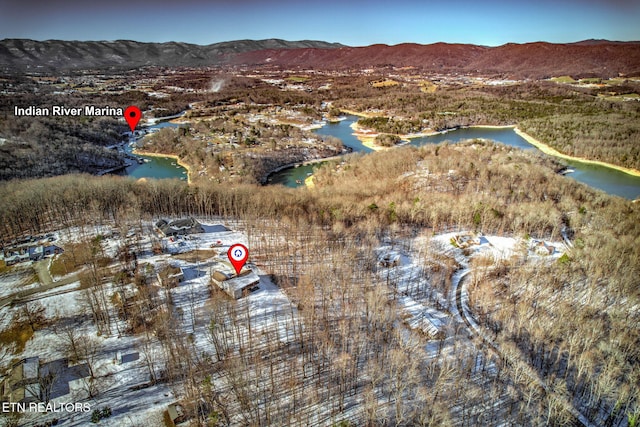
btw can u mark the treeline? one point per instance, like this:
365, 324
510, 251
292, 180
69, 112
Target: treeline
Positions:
452, 106
477, 185
571, 319
613, 137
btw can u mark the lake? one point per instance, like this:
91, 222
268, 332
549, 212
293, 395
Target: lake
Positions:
156, 167
606, 179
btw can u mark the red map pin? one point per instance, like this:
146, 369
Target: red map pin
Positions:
132, 115
238, 255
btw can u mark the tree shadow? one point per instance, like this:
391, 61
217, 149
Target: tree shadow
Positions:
61, 374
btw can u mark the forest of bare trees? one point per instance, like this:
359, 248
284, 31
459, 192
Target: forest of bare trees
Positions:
229, 146
343, 354
576, 121
558, 337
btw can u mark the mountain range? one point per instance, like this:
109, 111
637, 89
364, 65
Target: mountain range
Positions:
589, 58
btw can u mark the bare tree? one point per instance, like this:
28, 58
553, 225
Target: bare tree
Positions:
33, 314
84, 350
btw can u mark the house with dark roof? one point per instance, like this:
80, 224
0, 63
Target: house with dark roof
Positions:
178, 227
13, 256
21, 384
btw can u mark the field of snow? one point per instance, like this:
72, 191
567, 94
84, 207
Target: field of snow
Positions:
21, 278
120, 359
119, 363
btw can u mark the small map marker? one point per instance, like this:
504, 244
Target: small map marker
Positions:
132, 115
238, 255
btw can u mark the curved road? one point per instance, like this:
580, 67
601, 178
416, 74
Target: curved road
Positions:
458, 286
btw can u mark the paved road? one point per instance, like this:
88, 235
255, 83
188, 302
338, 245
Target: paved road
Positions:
42, 270
47, 283
458, 286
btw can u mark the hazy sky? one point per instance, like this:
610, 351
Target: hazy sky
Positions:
355, 23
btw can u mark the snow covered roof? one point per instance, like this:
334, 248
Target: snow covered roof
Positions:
179, 226
30, 367
224, 275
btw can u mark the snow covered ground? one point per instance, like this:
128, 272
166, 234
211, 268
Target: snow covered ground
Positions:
497, 247
19, 279
402, 267
121, 374
404, 270
119, 363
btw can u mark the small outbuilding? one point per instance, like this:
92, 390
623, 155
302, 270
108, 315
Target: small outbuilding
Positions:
175, 413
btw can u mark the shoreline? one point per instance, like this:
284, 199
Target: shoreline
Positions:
265, 180
368, 138
308, 182
546, 149
489, 127
172, 156
368, 141
359, 114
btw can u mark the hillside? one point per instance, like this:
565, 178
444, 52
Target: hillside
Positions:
367, 311
531, 60
590, 58
49, 55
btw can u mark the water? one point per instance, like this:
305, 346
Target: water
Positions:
156, 167
608, 180
295, 176
342, 130
600, 177
506, 136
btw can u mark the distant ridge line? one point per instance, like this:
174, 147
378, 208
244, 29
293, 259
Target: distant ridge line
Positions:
587, 58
